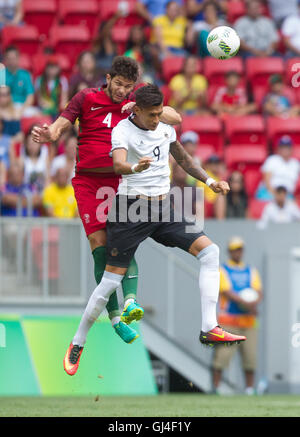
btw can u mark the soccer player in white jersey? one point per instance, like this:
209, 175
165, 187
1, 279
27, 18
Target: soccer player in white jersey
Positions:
140, 149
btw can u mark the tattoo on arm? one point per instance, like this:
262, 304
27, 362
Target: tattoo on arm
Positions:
187, 162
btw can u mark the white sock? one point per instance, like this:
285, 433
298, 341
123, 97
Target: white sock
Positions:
209, 284
96, 304
115, 320
128, 301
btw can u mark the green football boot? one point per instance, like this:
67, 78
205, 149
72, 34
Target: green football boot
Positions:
125, 332
132, 311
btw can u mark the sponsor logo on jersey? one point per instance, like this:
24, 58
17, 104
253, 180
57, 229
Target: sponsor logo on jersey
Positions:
94, 109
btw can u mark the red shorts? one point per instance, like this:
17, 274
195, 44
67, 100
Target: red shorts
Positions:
94, 193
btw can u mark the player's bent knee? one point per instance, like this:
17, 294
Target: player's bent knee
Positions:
97, 239
209, 256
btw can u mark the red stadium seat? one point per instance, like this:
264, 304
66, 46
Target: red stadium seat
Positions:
39, 62
209, 129
296, 151
260, 92
256, 208
236, 9
215, 71
278, 126
240, 157
109, 7
249, 129
252, 178
26, 38
41, 14
28, 122
173, 65
83, 13
204, 151
70, 40
259, 70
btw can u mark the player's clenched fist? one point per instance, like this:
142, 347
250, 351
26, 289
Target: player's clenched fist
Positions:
143, 164
220, 187
41, 134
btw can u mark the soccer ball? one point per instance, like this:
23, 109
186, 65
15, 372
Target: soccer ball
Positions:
249, 295
223, 42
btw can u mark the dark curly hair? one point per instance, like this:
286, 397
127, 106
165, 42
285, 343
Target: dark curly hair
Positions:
148, 95
125, 67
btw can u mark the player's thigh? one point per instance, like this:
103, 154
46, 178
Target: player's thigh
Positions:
249, 349
92, 206
176, 234
97, 239
123, 234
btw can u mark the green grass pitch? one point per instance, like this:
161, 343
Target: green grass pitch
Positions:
172, 405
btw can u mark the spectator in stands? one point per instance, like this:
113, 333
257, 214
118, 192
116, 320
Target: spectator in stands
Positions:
258, 33
19, 81
19, 198
236, 202
210, 18
277, 103
87, 72
172, 32
214, 204
9, 114
279, 169
35, 158
291, 34
232, 98
149, 9
196, 8
11, 12
282, 9
5, 147
52, 89
282, 209
189, 89
104, 48
238, 314
66, 159
279, 210
58, 197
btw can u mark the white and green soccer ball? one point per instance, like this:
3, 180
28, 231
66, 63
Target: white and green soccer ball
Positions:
223, 42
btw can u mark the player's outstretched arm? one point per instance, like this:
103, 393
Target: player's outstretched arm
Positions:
188, 164
170, 116
48, 134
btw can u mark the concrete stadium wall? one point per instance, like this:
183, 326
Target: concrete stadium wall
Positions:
168, 287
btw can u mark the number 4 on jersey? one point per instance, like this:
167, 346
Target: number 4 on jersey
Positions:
107, 119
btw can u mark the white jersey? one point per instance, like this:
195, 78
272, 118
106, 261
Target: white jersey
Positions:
140, 143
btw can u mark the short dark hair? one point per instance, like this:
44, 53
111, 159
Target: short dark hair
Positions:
148, 95
11, 49
125, 67
281, 189
232, 73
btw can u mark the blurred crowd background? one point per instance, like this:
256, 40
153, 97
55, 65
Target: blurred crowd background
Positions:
241, 117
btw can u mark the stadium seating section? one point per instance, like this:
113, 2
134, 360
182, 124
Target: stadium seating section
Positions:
67, 27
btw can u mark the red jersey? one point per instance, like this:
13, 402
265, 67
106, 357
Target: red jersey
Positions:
97, 115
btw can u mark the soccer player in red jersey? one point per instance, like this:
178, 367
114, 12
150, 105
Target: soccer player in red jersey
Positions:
99, 110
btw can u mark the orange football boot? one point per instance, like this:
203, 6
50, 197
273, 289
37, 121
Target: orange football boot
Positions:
72, 357
219, 336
